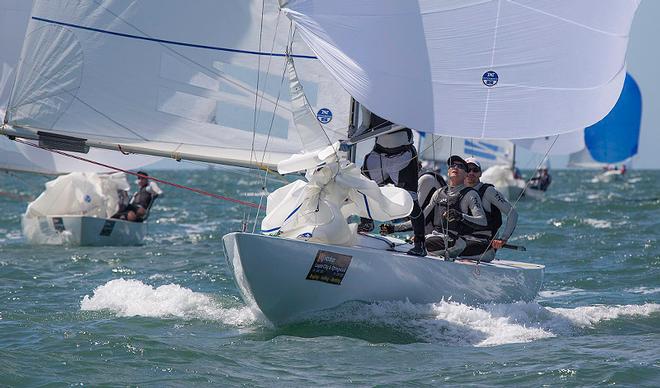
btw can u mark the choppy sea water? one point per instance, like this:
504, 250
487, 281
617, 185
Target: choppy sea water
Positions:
168, 313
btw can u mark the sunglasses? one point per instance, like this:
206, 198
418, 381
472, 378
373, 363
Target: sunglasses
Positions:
473, 169
458, 165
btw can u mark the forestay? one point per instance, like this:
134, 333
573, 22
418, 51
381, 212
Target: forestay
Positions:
615, 138
474, 68
200, 80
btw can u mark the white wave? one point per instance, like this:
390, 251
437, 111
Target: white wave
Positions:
499, 324
643, 290
549, 294
133, 298
588, 316
598, 224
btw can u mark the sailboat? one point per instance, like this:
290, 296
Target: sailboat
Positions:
615, 139
210, 90
83, 217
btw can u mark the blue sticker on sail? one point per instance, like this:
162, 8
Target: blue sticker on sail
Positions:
88, 199
324, 115
490, 78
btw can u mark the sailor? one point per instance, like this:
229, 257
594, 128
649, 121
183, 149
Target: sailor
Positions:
138, 208
541, 180
457, 214
393, 160
428, 183
495, 205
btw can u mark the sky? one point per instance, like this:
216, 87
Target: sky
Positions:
643, 64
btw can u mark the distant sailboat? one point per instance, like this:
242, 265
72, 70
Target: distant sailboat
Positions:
51, 219
210, 90
614, 139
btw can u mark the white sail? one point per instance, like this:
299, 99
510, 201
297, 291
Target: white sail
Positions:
478, 68
563, 144
489, 152
14, 17
200, 80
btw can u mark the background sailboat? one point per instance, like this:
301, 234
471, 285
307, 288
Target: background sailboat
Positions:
74, 208
615, 139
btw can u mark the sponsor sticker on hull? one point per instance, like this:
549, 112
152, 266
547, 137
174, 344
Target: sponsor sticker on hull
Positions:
329, 267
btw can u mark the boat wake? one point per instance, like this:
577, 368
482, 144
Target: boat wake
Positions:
444, 322
498, 324
127, 298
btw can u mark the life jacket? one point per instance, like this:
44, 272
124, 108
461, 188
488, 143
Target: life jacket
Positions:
454, 202
494, 216
142, 198
441, 183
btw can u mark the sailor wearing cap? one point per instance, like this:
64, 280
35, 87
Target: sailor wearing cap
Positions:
457, 213
495, 205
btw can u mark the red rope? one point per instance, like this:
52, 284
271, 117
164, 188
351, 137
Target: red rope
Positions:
198, 191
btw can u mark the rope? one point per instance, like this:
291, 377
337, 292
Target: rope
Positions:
198, 191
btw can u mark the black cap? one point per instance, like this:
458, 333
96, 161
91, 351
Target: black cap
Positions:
142, 173
456, 159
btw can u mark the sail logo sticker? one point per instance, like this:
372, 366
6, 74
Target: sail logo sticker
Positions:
490, 78
324, 115
88, 199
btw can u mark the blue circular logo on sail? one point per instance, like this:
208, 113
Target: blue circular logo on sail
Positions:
88, 199
490, 78
324, 115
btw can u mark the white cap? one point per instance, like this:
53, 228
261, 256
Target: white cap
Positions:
473, 161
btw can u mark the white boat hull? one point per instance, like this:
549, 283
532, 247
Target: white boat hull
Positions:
272, 274
85, 231
609, 176
534, 193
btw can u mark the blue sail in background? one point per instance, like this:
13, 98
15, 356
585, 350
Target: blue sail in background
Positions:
616, 137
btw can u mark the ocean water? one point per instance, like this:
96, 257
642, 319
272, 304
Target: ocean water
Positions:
169, 314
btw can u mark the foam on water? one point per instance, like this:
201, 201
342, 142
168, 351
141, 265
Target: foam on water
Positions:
598, 224
490, 325
643, 290
549, 294
133, 298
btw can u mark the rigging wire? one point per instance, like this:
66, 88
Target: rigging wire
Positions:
522, 192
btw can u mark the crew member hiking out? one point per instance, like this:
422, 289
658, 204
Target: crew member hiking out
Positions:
393, 160
495, 205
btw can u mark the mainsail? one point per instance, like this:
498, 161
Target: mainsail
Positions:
203, 80
14, 17
476, 68
563, 144
490, 152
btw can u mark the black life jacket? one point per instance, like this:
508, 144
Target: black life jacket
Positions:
494, 216
142, 198
461, 227
441, 183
